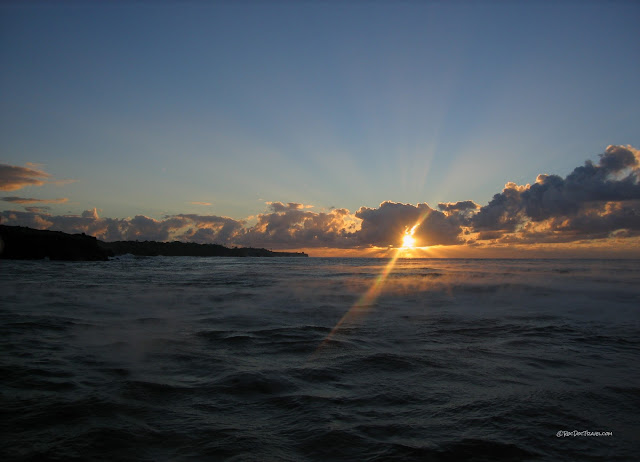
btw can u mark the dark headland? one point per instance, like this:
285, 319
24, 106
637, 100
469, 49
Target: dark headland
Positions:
18, 242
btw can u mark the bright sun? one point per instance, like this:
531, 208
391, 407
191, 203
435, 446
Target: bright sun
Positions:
408, 241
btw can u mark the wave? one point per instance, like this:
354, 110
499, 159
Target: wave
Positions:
201, 359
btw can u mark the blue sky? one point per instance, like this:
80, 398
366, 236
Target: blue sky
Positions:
151, 107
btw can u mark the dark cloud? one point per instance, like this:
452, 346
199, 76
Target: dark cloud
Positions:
13, 177
614, 179
488, 235
617, 158
460, 206
141, 227
387, 224
503, 212
600, 221
291, 226
43, 209
206, 229
36, 220
595, 201
28, 200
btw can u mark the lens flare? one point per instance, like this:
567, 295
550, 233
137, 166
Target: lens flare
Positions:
370, 296
363, 303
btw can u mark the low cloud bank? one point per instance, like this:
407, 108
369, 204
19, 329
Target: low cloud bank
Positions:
595, 201
592, 202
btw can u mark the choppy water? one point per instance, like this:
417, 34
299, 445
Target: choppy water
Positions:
238, 359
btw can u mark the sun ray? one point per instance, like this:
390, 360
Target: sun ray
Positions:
363, 303
369, 297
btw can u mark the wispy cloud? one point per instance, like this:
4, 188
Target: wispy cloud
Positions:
200, 203
13, 177
29, 200
44, 209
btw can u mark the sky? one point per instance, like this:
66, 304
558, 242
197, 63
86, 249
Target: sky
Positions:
481, 128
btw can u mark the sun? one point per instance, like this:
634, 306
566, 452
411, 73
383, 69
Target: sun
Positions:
408, 241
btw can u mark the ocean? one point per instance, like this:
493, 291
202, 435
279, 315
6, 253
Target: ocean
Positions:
319, 359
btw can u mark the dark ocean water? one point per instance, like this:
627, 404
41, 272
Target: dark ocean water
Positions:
240, 359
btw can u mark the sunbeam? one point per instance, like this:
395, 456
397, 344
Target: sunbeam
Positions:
370, 296
363, 303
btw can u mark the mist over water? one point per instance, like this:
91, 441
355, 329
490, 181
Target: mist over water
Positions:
169, 358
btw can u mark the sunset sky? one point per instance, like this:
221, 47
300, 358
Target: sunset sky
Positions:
326, 127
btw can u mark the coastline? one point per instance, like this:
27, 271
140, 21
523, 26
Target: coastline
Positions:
23, 243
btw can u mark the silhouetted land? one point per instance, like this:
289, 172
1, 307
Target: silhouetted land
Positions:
18, 242
189, 249
23, 243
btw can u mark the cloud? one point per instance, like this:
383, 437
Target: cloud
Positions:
44, 209
27, 200
461, 206
597, 201
200, 203
197, 228
13, 177
206, 228
90, 214
387, 224
599, 221
291, 226
30, 219
280, 207
601, 197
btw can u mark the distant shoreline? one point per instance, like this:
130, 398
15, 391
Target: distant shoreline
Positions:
188, 249
23, 243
